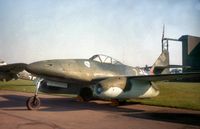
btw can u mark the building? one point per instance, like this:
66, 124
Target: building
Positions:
190, 53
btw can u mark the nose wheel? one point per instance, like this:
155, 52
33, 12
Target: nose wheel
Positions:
33, 103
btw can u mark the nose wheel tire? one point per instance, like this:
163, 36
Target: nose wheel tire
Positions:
33, 103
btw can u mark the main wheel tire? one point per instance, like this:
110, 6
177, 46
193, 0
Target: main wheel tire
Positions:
86, 94
33, 103
117, 102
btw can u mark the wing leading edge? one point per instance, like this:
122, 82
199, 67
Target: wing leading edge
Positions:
10, 71
14, 68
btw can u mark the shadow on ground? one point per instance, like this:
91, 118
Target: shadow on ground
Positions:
55, 104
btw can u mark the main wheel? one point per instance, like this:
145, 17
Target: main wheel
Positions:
86, 94
117, 102
33, 103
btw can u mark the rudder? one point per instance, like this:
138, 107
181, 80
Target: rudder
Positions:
161, 65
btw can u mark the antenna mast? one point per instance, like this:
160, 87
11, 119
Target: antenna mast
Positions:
164, 41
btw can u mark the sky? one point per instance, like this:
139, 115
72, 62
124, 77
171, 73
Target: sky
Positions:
127, 30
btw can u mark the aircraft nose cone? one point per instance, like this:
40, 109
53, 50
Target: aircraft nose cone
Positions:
44, 68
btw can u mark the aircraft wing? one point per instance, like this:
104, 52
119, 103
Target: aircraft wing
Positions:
160, 77
10, 71
14, 68
166, 77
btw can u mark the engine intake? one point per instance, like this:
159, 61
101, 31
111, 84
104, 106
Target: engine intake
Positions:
111, 87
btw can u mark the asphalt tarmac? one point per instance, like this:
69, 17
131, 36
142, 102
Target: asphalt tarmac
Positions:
66, 113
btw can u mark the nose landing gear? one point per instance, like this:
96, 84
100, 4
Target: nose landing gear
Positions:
33, 103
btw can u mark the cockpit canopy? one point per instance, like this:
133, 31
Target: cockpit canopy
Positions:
104, 59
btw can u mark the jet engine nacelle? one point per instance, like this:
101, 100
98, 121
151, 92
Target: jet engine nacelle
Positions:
110, 88
123, 88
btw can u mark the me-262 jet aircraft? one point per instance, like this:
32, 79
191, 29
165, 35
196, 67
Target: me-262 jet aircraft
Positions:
99, 76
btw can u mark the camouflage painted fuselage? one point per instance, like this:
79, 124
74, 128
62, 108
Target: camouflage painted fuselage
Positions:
106, 80
83, 70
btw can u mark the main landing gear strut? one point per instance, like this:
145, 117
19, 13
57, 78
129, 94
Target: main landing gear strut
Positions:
85, 94
33, 103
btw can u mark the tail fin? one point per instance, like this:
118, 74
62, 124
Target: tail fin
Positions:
161, 64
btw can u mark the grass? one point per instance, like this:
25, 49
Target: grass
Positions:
18, 85
175, 94
172, 94
24, 86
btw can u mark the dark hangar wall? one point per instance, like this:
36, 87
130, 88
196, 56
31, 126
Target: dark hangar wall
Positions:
191, 52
